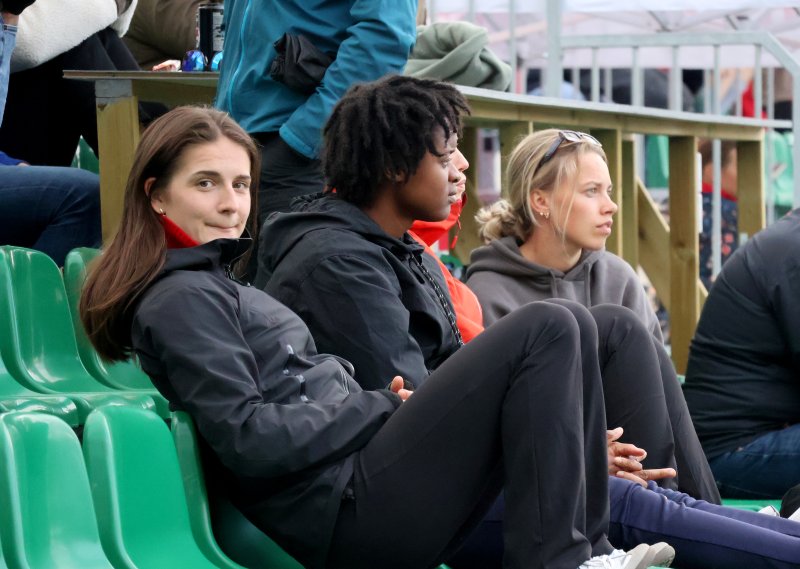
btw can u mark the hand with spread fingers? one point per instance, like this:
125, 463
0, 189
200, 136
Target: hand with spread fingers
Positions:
625, 461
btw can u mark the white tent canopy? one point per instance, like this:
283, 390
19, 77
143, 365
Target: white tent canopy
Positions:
630, 17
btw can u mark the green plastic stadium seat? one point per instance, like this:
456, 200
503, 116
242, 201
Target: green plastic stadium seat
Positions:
122, 375
240, 539
138, 492
37, 342
15, 397
752, 505
46, 514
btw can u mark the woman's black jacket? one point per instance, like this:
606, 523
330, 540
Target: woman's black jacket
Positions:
284, 420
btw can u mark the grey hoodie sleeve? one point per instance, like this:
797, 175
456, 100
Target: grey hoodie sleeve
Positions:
635, 297
191, 338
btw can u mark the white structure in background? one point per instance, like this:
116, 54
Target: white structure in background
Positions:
746, 35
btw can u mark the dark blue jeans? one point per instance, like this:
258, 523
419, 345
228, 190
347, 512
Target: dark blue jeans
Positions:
765, 468
51, 209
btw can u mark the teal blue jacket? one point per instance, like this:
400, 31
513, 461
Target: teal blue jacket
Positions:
369, 37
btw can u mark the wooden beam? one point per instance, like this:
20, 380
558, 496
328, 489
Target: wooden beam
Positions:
510, 136
468, 233
750, 193
683, 215
629, 208
612, 144
118, 136
653, 243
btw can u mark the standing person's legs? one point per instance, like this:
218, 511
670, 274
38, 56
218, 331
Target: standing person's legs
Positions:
49, 209
285, 175
765, 468
511, 401
705, 536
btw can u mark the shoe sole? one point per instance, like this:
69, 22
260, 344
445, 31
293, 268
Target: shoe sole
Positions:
660, 555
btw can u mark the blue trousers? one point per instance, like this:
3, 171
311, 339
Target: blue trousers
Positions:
764, 468
704, 535
51, 209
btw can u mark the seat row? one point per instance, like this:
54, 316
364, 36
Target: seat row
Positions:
132, 497
41, 366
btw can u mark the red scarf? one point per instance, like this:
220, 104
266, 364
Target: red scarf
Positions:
176, 237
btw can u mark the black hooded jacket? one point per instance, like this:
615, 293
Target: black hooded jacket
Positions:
284, 420
355, 286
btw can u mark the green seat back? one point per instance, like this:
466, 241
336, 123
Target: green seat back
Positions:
240, 539
138, 491
36, 337
124, 375
37, 343
46, 514
751, 505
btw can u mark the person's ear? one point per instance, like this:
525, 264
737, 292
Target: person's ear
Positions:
155, 195
540, 201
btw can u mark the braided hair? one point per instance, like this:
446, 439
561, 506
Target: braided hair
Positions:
381, 130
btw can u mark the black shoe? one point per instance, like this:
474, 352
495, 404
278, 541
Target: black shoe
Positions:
790, 503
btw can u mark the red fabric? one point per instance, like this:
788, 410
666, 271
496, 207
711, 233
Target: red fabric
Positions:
176, 237
429, 232
708, 189
749, 102
469, 316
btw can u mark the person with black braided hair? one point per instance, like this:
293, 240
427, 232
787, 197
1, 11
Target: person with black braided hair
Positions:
506, 411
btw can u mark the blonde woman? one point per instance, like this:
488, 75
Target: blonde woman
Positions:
547, 241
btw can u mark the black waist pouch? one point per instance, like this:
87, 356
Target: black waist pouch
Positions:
299, 64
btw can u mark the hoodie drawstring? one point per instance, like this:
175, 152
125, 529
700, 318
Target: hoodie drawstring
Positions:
442, 301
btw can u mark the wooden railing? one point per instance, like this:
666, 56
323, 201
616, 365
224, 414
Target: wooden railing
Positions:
670, 258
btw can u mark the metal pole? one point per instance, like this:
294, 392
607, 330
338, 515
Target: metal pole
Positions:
716, 196
770, 197
554, 74
675, 81
637, 97
608, 86
595, 77
738, 89
758, 87
796, 138
512, 48
472, 11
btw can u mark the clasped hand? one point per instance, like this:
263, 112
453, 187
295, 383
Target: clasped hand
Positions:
625, 461
397, 387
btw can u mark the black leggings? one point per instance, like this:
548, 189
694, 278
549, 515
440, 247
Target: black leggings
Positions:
643, 395
520, 409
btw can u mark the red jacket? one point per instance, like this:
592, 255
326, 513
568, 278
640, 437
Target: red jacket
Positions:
469, 316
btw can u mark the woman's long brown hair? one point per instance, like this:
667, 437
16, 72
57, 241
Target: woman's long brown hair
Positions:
137, 252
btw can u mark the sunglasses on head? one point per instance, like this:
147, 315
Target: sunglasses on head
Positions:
565, 136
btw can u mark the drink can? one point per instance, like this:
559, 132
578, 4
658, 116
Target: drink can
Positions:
210, 31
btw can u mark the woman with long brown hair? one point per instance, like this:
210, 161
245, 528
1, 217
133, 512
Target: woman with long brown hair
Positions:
338, 476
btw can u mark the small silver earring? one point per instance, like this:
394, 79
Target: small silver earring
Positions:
545, 214
162, 212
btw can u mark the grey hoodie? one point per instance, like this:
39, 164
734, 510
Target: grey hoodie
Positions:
504, 280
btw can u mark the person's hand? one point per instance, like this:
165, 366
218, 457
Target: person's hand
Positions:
168, 65
624, 461
15, 7
397, 387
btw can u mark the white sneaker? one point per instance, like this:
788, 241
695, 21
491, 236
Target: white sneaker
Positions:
640, 557
769, 511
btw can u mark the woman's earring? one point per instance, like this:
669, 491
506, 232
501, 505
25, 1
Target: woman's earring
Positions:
545, 214
162, 212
